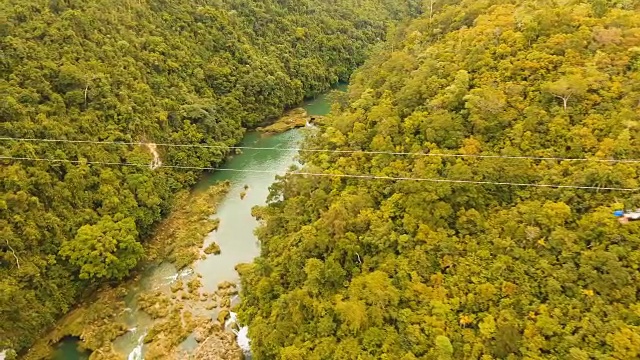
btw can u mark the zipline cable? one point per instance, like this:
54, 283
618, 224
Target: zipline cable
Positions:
539, 158
365, 177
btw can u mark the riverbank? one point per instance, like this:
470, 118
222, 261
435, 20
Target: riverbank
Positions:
163, 305
99, 319
159, 309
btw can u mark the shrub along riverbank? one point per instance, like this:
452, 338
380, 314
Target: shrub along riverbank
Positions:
178, 238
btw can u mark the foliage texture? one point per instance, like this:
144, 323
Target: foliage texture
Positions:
170, 71
376, 269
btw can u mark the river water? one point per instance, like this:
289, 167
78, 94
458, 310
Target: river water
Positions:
235, 235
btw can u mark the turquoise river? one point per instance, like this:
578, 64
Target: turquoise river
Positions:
235, 235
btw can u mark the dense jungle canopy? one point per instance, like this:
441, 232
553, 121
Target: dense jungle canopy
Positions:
172, 71
378, 269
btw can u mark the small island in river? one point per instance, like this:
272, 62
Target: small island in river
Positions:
295, 118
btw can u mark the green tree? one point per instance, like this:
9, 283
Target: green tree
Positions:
445, 349
567, 88
107, 249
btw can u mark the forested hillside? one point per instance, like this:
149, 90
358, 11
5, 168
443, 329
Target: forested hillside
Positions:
171, 71
379, 269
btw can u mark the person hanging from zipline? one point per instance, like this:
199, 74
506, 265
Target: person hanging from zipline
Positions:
625, 216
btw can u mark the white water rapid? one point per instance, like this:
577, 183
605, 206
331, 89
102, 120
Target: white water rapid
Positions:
242, 337
136, 354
